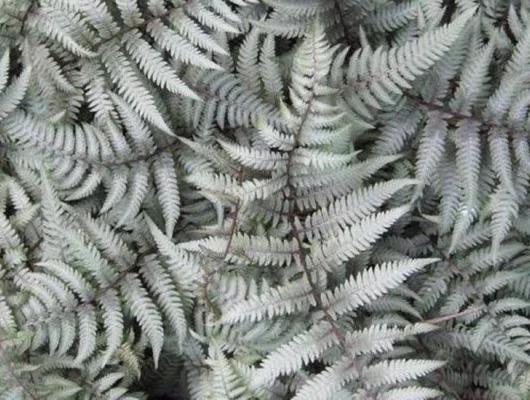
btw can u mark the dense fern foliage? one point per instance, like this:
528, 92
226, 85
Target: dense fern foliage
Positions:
273, 199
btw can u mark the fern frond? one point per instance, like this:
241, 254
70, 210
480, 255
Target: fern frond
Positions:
160, 283
260, 159
145, 311
130, 12
351, 209
14, 93
130, 86
379, 75
355, 239
167, 185
112, 320
288, 299
371, 284
327, 383
154, 66
87, 333
182, 50
396, 371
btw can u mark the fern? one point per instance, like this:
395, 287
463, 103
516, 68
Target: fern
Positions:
278, 199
